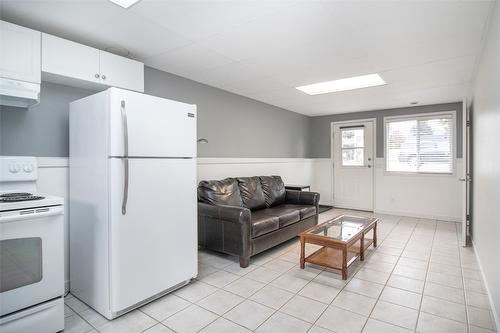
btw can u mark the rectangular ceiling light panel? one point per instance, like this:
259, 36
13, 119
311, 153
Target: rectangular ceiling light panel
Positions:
350, 83
124, 3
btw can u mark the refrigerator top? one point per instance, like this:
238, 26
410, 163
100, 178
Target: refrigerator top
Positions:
147, 126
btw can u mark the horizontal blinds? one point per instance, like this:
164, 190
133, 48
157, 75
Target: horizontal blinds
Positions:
420, 144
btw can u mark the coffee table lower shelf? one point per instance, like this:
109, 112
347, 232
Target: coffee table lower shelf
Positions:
332, 257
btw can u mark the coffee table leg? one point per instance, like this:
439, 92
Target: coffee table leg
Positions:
344, 263
362, 247
302, 252
375, 235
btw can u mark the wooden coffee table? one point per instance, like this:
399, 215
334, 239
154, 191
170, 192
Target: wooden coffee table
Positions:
342, 241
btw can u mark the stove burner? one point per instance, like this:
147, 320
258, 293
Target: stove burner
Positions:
14, 194
16, 197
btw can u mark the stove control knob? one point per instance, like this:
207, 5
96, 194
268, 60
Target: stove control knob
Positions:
28, 168
14, 168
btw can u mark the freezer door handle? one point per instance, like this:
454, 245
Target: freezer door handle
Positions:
125, 159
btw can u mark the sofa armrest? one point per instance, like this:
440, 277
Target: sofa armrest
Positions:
226, 229
302, 198
234, 214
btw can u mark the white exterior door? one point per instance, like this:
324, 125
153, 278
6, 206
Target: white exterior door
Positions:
353, 165
153, 126
154, 244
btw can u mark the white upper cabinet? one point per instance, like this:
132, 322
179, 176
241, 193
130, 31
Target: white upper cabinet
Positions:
67, 62
69, 59
19, 53
121, 72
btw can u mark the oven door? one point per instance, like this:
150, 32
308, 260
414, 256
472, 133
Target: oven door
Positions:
31, 257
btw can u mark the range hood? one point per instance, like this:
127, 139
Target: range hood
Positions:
19, 93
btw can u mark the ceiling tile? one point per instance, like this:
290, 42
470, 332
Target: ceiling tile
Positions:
97, 23
200, 19
187, 60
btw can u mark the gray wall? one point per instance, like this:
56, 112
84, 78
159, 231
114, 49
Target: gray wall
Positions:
486, 161
320, 126
41, 130
235, 126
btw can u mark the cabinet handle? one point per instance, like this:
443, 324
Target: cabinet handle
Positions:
96, 76
103, 77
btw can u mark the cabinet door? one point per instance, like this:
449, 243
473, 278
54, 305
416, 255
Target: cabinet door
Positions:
121, 72
69, 59
19, 53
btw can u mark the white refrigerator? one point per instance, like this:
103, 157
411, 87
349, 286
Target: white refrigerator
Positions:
133, 210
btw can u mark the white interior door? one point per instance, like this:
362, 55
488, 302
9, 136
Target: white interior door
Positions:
154, 244
353, 165
466, 177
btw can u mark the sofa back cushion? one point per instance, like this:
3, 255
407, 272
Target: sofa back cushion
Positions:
251, 193
274, 190
220, 192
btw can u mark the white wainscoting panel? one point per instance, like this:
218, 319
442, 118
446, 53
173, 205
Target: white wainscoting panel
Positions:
424, 196
428, 196
291, 170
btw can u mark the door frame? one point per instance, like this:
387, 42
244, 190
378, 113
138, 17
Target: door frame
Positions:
466, 173
332, 161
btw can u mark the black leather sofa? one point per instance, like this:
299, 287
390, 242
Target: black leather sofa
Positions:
247, 215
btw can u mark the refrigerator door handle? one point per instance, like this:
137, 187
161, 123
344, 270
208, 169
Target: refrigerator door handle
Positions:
125, 186
125, 158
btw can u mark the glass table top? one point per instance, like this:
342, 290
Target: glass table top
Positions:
342, 227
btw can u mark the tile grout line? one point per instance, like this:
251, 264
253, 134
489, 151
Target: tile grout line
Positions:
426, 273
385, 285
467, 321
341, 289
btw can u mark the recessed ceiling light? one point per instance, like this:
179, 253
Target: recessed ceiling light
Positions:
350, 83
124, 3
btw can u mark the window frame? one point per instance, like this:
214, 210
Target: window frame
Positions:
423, 116
342, 149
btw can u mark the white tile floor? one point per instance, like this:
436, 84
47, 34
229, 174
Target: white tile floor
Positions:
418, 280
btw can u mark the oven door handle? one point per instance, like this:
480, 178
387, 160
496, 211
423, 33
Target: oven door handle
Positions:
29, 214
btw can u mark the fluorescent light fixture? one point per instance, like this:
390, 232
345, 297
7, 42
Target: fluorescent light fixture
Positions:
124, 3
350, 83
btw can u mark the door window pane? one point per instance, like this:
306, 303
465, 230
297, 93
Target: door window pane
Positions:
20, 262
353, 146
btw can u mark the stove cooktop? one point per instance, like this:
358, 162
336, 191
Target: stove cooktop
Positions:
19, 196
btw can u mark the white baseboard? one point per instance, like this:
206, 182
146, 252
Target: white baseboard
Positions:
493, 308
422, 216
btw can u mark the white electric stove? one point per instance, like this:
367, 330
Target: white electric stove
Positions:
31, 251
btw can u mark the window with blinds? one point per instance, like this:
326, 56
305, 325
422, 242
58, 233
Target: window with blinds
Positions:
419, 144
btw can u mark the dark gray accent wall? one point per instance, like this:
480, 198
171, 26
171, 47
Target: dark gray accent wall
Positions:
235, 126
41, 130
321, 126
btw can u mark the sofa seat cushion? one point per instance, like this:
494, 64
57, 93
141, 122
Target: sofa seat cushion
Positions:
251, 193
287, 214
305, 210
263, 222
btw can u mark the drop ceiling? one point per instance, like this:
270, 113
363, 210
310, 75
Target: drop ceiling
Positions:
425, 50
